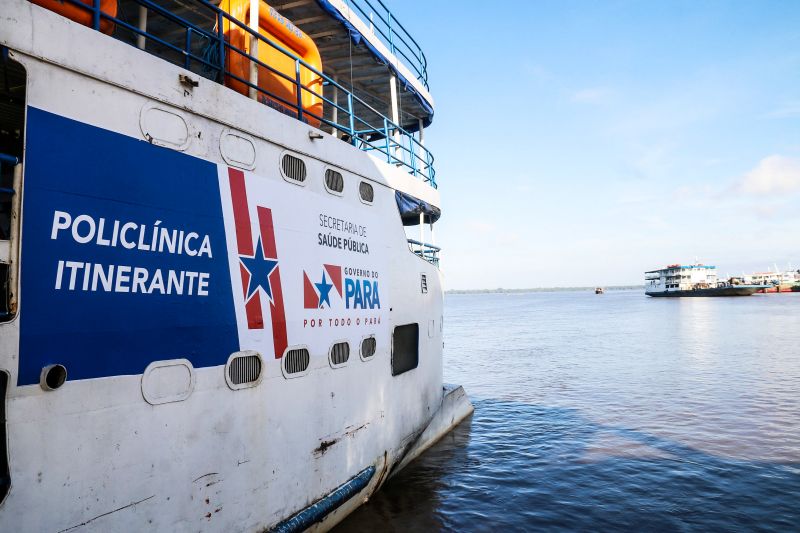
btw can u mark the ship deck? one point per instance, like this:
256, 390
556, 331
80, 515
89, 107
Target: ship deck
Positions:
375, 88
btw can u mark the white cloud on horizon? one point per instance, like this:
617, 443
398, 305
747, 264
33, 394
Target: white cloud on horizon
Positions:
775, 174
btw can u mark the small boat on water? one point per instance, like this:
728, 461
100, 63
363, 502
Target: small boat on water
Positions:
694, 280
599, 290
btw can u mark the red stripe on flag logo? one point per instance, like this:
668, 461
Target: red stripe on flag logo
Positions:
276, 306
244, 243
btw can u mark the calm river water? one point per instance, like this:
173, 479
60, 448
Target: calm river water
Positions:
612, 412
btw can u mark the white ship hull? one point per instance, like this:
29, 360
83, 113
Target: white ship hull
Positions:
149, 432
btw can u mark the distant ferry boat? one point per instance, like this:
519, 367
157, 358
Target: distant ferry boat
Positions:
693, 280
777, 281
212, 313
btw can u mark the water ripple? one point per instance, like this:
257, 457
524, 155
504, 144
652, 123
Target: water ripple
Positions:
611, 413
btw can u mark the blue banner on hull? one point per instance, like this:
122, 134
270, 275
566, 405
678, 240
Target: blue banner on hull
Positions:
124, 259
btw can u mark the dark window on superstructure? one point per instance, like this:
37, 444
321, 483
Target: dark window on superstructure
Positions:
366, 192
405, 348
334, 180
294, 168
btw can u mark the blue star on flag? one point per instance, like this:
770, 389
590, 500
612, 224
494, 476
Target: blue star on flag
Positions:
324, 289
259, 267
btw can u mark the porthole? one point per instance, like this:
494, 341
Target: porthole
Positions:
168, 381
366, 192
368, 346
339, 354
294, 169
52, 377
295, 362
334, 181
244, 369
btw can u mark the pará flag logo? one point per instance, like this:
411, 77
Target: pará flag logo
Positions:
258, 263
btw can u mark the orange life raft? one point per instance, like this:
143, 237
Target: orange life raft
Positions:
281, 92
82, 15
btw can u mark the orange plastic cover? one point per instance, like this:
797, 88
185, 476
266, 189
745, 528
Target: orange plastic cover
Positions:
80, 14
279, 30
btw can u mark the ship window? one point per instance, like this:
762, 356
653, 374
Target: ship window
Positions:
405, 348
339, 354
294, 168
366, 192
334, 181
295, 362
244, 369
368, 347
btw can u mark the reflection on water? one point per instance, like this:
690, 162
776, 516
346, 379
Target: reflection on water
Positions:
611, 412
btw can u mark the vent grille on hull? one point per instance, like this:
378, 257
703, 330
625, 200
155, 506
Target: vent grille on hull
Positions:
424, 284
294, 168
334, 180
296, 361
244, 369
340, 353
366, 191
368, 346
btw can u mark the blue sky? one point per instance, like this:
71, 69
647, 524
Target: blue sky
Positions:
582, 143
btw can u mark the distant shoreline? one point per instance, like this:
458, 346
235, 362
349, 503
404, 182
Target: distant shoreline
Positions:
542, 289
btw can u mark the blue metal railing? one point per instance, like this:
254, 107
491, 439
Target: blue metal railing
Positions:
428, 252
389, 30
397, 145
8, 160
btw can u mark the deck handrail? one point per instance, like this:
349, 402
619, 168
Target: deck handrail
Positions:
12, 161
9, 159
398, 146
399, 42
427, 251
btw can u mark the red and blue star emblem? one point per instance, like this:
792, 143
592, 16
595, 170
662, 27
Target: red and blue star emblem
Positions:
317, 295
258, 265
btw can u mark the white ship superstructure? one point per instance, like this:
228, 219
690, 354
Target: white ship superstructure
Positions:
213, 318
694, 280
675, 278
